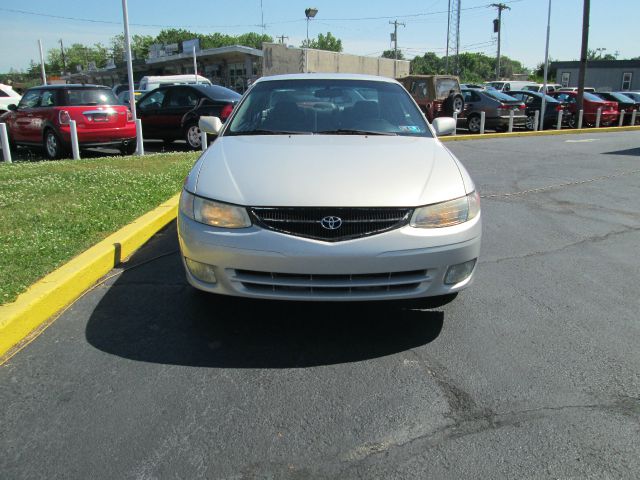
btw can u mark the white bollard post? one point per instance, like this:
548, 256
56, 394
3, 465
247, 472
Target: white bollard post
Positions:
455, 120
621, 118
483, 115
75, 149
6, 151
203, 140
510, 121
580, 115
598, 115
559, 126
139, 139
536, 120
633, 117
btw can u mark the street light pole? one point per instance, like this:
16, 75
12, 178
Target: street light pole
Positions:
132, 96
309, 13
546, 68
500, 7
42, 72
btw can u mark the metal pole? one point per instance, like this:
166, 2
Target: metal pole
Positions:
621, 118
446, 61
74, 140
546, 68
139, 138
583, 53
6, 151
580, 117
559, 126
633, 117
510, 121
64, 59
598, 115
483, 114
132, 96
195, 64
536, 117
499, 34
42, 72
455, 119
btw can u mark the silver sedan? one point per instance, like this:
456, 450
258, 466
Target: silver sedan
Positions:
329, 187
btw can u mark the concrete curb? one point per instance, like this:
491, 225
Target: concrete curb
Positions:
455, 138
64, 285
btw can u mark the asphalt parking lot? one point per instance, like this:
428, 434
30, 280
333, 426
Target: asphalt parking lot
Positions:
531, 373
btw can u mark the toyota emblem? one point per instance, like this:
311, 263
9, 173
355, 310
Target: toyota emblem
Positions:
331, 223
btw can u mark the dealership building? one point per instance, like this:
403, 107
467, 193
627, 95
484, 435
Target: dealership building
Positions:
609, 75
238, 66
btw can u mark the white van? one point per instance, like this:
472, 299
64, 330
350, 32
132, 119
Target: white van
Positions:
551, 87
153, 82
508, 85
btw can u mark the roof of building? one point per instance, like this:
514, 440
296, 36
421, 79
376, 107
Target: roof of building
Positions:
598, 64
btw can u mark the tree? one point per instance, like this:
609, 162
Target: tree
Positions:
324, 42
428, 64
391, 54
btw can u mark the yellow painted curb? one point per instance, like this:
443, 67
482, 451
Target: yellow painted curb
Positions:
64, 285
477, 136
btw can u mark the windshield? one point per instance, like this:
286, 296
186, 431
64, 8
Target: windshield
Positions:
91, 96
591, 97
497, 95
328, 106
621, 98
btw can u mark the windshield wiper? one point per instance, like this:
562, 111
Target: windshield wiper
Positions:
267, 132
349, 131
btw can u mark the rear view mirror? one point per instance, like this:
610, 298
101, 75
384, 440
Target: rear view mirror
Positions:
444, 126
211, 125
13, 107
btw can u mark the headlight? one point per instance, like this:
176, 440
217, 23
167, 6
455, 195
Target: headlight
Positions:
446, 214
213, 213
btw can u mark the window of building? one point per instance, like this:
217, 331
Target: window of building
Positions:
565, 78
626, 80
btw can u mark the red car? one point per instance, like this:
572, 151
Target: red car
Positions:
42, 119
591, 103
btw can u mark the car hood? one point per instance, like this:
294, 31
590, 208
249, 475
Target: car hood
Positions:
327, 170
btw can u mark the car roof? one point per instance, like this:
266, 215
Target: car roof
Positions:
61, 86
326, 76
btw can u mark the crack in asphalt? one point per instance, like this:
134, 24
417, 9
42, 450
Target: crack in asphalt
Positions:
591, 239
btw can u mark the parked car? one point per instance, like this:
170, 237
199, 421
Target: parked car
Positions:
575, 89
497, 107
7, 96
306, 200
508, 85
123, 87
533, 101
437, 95
634, 95
591, 103
172, 112
152, 82
626, 104
123, 96
464, 86
43, 114
551, 87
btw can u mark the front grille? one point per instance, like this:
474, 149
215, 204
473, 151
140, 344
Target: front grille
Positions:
345, 285
307, 221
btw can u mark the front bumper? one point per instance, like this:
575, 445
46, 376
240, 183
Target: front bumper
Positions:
403, 263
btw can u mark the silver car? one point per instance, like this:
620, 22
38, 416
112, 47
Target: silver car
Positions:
329, 187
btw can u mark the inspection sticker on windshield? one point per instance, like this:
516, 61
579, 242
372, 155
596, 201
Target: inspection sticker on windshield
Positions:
409, 128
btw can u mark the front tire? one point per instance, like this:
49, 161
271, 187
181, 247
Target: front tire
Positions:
192, 136
53, 147
473, 123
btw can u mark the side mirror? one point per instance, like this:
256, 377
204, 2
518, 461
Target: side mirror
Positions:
211, 125
13, 107
444, 126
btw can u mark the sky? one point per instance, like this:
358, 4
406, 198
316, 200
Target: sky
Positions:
363, 26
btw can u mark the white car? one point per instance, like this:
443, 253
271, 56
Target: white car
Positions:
152, 82
329, 187
8, 96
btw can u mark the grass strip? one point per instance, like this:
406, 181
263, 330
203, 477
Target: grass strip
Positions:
52, 211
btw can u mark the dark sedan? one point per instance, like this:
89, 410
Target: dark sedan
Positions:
172, 112
533, 101
625, 103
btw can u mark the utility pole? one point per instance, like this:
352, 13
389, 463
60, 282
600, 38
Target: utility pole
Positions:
453, 35
282, 37
546, 69
395, 24
42, 72
583, 53
64, 60
500, 7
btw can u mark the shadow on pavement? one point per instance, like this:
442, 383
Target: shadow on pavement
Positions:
631, 151
151, 314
